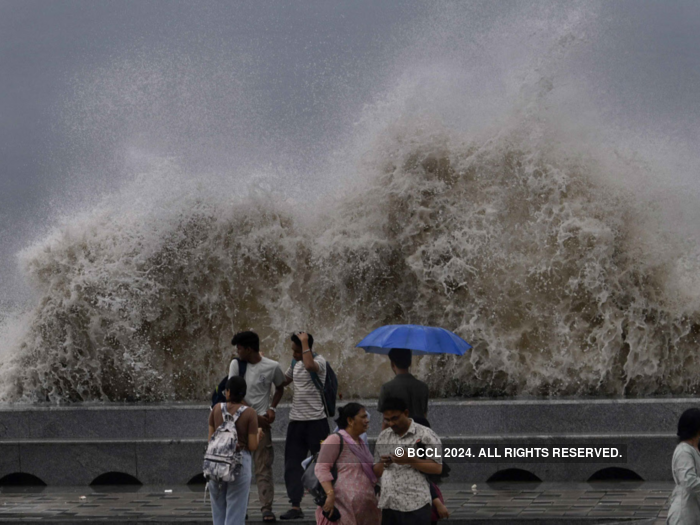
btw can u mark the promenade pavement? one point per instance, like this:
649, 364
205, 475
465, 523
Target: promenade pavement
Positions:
512, 503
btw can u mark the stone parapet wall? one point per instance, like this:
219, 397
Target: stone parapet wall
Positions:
161, 444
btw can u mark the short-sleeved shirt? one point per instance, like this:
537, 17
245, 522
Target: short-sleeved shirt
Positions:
246, 425
259, 378
307, 403
405, 489
413, 391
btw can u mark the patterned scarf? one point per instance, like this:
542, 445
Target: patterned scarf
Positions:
362, 453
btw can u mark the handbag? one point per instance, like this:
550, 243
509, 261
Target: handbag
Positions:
333, 516
311, 482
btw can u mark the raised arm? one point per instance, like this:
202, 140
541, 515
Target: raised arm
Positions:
306, 353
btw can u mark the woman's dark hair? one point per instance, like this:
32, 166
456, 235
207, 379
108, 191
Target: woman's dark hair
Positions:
394, 403
348, 411
295, 339
247, 340
401, 357
237, 388
689, 424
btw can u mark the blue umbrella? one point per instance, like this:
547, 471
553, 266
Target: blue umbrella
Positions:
422, 340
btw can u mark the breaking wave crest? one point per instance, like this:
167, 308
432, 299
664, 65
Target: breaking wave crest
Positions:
515, 246
483, 198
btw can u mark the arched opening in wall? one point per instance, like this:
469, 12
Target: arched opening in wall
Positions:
116, 482
514, 475
21, 482
196, 484
615, 474
115, 478
197, 480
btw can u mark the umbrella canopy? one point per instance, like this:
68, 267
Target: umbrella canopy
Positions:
422, 340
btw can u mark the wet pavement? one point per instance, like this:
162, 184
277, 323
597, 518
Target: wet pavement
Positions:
513, 503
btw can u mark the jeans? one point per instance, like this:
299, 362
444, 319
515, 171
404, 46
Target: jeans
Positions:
229, 501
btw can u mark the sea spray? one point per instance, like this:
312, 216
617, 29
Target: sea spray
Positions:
482, 189
506, 241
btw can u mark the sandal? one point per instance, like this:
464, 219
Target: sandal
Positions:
268, 516
292, 514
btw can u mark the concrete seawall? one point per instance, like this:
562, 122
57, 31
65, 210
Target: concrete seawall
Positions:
158, 444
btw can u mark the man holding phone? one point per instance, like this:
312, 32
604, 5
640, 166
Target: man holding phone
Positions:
405, 496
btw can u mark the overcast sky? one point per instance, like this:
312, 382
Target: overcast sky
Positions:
224, 80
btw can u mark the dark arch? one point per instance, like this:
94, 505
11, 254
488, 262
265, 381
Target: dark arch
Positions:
513, 474
615, 474
197, 480
21, 479
115, 478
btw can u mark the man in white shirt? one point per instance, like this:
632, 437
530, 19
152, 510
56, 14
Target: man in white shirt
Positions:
308, 424
260, 374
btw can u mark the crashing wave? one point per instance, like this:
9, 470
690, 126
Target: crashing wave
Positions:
517, 248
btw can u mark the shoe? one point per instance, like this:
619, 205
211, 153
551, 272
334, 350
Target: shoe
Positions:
292, 514
268, 516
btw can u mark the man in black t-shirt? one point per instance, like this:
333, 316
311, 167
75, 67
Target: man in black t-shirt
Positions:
405, 386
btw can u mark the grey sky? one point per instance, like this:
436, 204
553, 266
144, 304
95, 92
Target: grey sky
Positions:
248, 80
47, 48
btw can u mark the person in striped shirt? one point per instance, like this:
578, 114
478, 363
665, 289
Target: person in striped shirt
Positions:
308, 424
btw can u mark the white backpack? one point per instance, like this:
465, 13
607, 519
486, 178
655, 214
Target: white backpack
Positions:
222, 462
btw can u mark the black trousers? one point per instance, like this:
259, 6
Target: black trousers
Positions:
302, 437
416, 517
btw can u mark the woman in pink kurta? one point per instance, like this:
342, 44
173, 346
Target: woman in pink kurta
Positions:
353, 491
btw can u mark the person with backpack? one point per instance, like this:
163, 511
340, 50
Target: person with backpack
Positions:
260, 374
308, 423
233, 435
